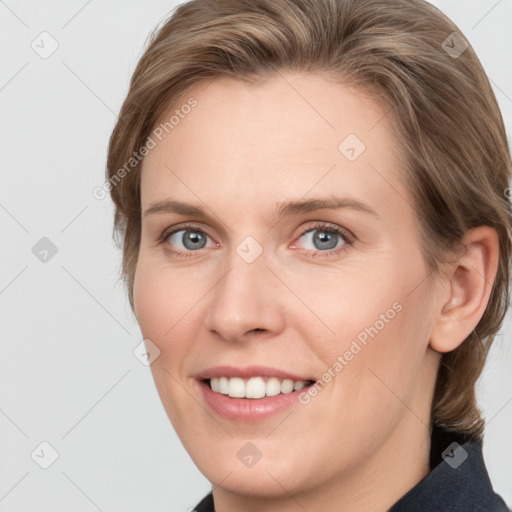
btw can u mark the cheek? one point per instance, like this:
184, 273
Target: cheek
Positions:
157, 305
365, 310
147, 297
161, 308
161, 297
168, 308
381, 323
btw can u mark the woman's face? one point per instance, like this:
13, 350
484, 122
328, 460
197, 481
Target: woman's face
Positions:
255, 284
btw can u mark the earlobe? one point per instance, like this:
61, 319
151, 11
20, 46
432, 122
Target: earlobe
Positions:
469, 286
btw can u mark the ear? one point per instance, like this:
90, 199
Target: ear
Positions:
467, 289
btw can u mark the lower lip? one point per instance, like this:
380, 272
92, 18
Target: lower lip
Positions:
248, 409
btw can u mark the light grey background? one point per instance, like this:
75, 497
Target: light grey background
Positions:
67, 372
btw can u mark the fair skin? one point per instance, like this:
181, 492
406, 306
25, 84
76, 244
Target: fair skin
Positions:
364, 440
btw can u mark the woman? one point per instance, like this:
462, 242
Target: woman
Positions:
311, 197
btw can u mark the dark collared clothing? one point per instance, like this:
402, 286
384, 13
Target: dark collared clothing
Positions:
458, 480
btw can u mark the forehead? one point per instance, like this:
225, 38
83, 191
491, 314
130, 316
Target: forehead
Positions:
292, 134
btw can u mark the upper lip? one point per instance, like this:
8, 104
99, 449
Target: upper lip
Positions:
247, 372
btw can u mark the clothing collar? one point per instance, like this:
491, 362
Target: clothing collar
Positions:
458, 479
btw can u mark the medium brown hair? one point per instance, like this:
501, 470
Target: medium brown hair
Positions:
450, 129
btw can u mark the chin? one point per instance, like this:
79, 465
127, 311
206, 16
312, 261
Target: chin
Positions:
269, 476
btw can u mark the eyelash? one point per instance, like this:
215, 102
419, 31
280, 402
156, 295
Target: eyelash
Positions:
347, 237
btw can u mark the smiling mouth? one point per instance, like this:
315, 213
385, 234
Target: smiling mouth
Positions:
255, 387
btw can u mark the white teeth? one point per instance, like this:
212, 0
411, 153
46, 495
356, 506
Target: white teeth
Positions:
287, 386
214, 384
255, 387
223, 385
273, 387
236, 388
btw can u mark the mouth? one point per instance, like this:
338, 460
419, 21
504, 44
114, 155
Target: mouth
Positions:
250, 394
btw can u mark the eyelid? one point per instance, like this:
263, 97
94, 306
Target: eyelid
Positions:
329, 226
166, 233
183, 227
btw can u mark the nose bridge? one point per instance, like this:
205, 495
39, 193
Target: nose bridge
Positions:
241, 301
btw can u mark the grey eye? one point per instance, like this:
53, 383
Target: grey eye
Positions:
322, 239
190, 239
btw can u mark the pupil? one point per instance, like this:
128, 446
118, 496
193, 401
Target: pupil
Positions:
190, 241
323, 236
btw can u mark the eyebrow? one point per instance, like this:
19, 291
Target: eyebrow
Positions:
284, 209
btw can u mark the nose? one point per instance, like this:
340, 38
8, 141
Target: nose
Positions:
246, 301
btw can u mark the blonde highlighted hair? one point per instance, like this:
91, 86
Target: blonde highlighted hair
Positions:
450, 129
